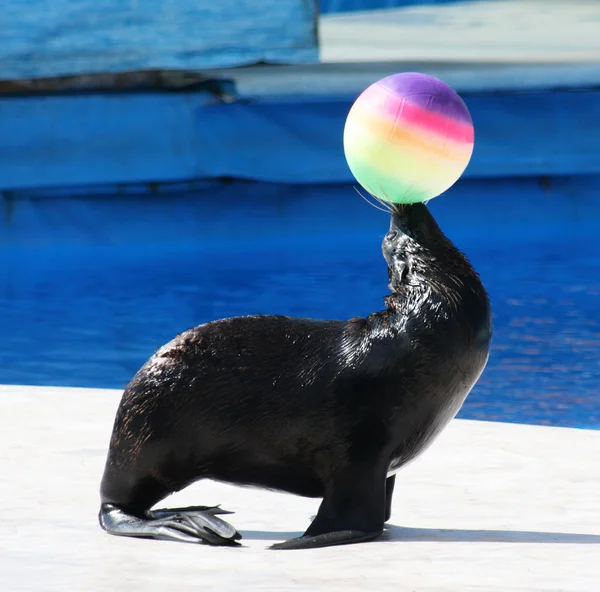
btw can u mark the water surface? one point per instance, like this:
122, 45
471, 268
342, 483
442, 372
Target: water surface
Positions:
90, 314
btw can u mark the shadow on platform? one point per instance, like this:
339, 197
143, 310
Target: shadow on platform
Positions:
403, 534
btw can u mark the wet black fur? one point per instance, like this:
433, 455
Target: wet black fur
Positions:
316, 408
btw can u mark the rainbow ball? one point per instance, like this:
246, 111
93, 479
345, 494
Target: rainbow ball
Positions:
408, 138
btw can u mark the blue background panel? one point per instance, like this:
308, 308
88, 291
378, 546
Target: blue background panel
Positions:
49, 38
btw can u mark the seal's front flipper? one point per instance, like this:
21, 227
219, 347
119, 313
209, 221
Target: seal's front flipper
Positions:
191, 525
353, 509
344, 537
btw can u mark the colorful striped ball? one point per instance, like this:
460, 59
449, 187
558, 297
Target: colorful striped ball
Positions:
408, 138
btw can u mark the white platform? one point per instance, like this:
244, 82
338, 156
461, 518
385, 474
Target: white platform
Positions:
490, 507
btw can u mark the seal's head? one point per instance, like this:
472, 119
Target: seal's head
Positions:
410, 244
418, 254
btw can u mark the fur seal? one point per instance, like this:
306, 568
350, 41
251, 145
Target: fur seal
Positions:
326, 409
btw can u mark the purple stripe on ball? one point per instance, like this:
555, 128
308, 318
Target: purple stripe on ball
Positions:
421, 89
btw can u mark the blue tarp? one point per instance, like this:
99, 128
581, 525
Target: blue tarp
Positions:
65, 141
329, 6
68, 37
227, 214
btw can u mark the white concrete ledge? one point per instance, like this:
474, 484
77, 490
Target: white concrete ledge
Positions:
542, 31
490, 507
496, 45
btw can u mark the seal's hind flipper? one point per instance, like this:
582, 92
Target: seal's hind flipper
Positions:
168, 512
191, 525
353, 509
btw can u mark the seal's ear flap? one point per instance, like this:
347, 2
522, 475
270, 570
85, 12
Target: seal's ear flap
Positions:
398, 270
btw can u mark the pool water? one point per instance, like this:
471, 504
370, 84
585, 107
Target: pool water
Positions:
90, 314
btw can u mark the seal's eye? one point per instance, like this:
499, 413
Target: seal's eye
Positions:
391, 235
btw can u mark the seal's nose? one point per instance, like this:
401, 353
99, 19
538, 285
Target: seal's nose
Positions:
398, 223
409, 218
395, 222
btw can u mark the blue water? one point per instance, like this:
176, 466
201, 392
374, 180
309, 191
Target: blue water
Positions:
89, 312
